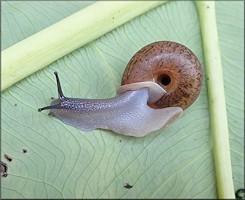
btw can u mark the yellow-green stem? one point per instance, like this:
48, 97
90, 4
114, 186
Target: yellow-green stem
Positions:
63, 37
216, 94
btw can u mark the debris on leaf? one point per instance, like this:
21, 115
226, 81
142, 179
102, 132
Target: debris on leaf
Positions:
128, 186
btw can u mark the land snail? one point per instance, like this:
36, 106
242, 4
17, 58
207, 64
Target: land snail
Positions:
160, 81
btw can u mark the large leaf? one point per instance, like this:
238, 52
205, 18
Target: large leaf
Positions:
63, 162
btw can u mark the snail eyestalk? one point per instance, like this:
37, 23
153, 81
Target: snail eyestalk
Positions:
56, 106
60, 93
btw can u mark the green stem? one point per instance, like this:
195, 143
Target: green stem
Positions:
218, 115
63, 37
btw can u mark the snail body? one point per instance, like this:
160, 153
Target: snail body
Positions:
152, 96
127, 113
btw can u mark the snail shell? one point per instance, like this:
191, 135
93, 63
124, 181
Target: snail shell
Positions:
172, 66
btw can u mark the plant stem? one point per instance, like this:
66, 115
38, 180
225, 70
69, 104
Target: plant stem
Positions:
63, 37
216, 94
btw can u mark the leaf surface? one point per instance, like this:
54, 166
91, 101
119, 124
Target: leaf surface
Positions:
63, 162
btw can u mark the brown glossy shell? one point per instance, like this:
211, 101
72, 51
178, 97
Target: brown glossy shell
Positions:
171, 65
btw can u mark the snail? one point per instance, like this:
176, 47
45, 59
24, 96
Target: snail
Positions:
160, 81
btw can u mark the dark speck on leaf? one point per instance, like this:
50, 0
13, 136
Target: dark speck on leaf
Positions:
24, 150
4, 169
7, 157
128, 186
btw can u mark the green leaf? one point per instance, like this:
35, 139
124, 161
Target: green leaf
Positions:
67, 35
230, 18
63, 162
